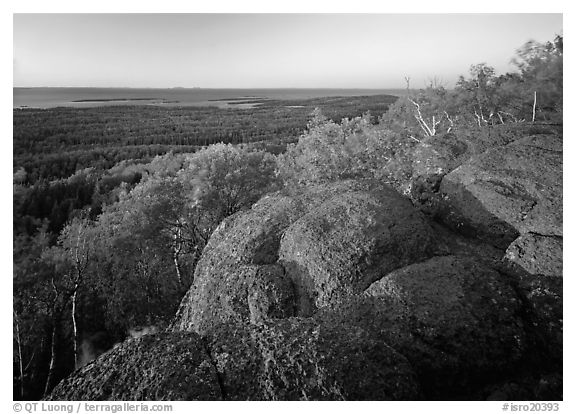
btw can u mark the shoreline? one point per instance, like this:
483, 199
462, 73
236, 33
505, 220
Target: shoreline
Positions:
51, 98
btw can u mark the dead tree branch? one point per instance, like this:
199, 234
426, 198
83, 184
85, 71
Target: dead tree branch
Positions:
420, 119
534, 108
449, 120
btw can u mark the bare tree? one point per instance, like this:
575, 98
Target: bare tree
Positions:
19, 347
60, 299
81, 257
450, 121
435, 82
429, 128
534, 108
72, 257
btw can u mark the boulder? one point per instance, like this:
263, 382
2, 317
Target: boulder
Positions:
235, 293
151, 368
303, 249
507, 191
452, 243
270, 295
242, 249
547, 387
544, 303
440, 154
307, 359
461, 305
538, 255
287, 359
353, 239
482, 139
432, 159
458, 322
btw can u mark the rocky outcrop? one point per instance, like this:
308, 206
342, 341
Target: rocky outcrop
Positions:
308, 359
343, 245
438, 155
288, 359
460, 306
457, 320
242, 251
236, 293
543, 297
511, 197
507, 191
305, 250
151, 368
536, 254
346, 291
433, 158
540, 388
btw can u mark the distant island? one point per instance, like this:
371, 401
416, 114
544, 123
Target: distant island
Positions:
118, 99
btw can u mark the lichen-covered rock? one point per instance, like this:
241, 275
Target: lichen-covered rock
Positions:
538, 255
237, 255
343, 245
306, 359
507, 191
153, 367
461, 305
433, 158
455, 319
270, 295
546, 387
451, 243
284, 359
238, 293
544, 297
440, 154
303, 250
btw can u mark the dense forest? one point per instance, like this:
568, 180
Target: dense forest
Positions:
55, 143
113, 206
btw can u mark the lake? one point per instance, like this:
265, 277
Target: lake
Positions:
227, 98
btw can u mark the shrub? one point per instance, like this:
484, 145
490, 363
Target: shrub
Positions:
352, 149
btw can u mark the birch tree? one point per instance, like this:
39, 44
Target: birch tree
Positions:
71, 257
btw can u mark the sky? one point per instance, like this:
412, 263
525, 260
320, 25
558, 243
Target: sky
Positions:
266, 50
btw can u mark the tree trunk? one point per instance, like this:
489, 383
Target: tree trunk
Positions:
53, 351
178, 272
534, 108
75, 326
57, 310
20, 362
177, 248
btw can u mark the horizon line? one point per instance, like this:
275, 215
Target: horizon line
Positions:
199, 87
